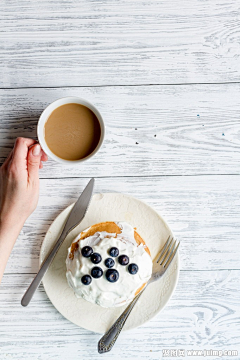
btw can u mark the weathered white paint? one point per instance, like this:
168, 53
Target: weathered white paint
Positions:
89, 44
202, 314
202, 211
105, 42
197, 128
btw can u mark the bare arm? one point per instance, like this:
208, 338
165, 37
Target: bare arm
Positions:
19, 192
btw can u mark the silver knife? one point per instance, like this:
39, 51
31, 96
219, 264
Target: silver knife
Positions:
75, 217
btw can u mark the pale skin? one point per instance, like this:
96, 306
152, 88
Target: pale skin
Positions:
19, 192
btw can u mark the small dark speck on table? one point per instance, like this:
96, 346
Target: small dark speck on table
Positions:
223, 134
135, 128
198, 115
137, 143
155, 135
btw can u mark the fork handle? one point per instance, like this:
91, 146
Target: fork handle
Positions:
106, 343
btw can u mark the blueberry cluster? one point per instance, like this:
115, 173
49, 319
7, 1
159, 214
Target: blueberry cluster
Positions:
112, 275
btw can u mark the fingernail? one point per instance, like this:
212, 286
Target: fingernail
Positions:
36, 150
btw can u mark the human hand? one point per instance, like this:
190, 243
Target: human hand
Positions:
19, 182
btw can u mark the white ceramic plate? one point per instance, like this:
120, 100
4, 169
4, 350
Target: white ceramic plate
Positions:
152, 228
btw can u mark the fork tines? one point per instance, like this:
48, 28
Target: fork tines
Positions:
168, 252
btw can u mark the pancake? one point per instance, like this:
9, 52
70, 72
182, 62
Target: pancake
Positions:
101, 237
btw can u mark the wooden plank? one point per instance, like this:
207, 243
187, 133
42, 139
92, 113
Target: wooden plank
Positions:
125, 42
181, 130
203, 212
202, 314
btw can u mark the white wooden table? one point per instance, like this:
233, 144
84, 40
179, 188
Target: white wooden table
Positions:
166, 77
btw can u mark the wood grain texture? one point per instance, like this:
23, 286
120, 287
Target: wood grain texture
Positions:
66, 43
190, 132
207, 318
150, 130
202, 211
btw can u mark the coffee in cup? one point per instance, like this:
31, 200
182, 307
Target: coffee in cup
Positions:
70, 130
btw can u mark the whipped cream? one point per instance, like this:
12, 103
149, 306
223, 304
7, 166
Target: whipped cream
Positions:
101, 291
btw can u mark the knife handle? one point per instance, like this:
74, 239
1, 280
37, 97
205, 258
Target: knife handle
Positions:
45, 265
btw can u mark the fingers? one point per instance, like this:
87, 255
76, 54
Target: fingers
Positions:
20, 151
19, 154
44, 156
34, 162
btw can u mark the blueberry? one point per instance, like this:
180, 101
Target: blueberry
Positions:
123, 259
109, 262
87, 251
133, 269
96, 258
86, 279
96, 272
112, 275
114, 252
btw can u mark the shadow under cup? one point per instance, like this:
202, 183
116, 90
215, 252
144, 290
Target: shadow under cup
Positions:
71, 130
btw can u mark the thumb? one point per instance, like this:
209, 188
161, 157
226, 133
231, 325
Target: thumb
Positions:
34, 158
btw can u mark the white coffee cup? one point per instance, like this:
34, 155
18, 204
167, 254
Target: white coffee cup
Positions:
45, 115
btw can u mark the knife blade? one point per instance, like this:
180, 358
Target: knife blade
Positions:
75, 217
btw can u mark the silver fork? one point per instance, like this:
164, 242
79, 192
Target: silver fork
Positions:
160, 265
